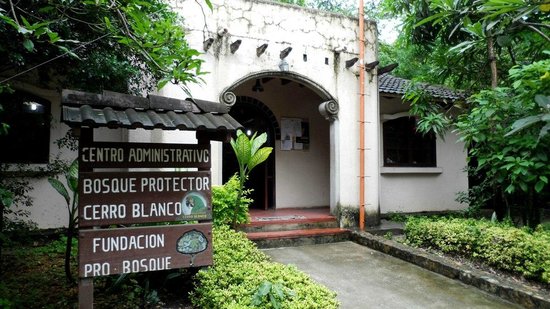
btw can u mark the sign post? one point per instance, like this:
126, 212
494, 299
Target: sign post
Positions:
137, 199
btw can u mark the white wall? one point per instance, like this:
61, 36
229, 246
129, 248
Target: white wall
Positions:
421, 189
49, 208
315, 34
302, 177
320, 178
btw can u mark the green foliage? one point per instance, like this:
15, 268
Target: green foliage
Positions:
476, 198
272, 293
249, 153
33, 277
497, 244
397, 217
6, 303
15, 224
414, 61
152, 29
518, 163
239, 271
134, 286
295, 2
224, 199
529, 81
454, 37
6, 197
4, 127
432, 117
343, 7
71, 199
125, 46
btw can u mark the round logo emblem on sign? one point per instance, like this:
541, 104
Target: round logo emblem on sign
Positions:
192, 242
194, 203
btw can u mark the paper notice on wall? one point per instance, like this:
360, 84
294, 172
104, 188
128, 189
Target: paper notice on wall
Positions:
291, 128
294, 134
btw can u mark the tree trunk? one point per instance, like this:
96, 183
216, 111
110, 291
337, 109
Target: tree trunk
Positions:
492, 61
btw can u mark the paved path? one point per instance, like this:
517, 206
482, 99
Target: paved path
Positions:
364, 278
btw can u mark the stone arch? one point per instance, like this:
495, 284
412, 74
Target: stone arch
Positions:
261, 106
328, 108
299, 78
256, 117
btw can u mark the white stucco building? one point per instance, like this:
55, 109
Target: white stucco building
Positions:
283, 70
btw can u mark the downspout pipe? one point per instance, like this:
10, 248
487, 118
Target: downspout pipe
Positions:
361, 38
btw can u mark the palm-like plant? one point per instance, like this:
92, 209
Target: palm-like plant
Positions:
249, 153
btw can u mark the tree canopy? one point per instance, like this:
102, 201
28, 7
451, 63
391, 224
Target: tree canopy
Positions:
497, 50
469, 44
124, 46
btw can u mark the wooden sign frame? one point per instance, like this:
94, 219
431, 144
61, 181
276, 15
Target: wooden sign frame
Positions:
140, 249
108, 199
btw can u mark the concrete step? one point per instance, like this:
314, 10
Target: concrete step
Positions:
285, 225
301, 237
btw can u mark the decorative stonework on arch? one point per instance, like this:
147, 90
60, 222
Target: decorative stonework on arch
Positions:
228, 98
328, 108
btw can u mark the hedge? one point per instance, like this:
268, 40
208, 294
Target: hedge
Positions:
240, 269
499, 245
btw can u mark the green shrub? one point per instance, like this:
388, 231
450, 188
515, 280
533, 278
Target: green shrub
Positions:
497, 244
223, 203
239, 271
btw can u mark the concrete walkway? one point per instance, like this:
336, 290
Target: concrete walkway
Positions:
364, 278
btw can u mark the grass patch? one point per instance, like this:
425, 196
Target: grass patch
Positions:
33, 277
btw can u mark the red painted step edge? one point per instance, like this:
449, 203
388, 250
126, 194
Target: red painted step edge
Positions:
293, 221
296, 233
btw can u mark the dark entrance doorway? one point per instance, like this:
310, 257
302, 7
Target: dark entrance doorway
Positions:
256, 117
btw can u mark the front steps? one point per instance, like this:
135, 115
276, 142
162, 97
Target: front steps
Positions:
293, 227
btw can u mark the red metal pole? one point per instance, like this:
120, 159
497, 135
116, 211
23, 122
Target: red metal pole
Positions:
361, 116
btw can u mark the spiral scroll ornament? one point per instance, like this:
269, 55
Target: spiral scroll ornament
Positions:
228, 98
329, 109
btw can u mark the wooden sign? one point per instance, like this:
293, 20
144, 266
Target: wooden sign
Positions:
104, 252
107, 198
141, 155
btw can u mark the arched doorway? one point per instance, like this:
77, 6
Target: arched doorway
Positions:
299, 174
256, 119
